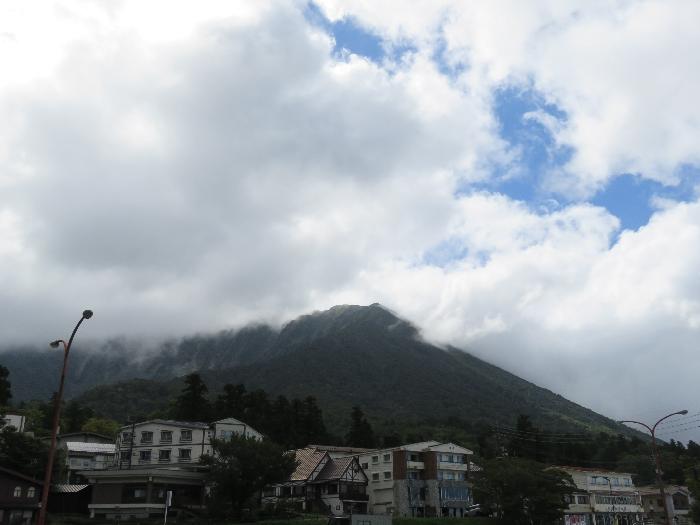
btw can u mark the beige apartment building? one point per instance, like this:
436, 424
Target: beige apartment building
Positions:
603, 497
420, 479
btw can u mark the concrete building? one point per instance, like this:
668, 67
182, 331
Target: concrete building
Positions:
164, 442
421, 479
678, 499
322, 484
85, 451
602, 497
152, 458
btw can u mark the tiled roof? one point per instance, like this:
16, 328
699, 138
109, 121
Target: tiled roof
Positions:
77, 446
334, 468
307, 459
65, 488
171, 422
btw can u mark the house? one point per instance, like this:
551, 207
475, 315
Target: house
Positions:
153, 458
20, 498
420, 479
322, 484
85, 451
678, 499
602, 497
163, 442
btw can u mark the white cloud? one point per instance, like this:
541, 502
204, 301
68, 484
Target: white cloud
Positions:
222, 167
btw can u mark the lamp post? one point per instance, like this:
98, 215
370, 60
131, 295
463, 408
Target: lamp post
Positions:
87, 314
657, 457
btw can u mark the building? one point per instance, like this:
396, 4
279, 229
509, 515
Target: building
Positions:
420, 479
678, 499
322, 484
140, 493
602, 497
17, 421
165, 442
20, 498
153, 458
85, 451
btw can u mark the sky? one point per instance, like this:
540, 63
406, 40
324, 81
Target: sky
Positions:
518, 179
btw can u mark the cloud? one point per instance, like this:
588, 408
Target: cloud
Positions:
223, 165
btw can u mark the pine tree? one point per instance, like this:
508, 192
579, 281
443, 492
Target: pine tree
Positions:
5, 391
360, 433
192, 403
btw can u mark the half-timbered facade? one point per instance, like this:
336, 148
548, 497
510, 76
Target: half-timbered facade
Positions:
322, 484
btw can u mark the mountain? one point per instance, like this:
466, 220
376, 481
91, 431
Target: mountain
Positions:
345, 356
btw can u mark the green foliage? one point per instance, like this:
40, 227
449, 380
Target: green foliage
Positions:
74, 416
24, 453
521, 492
360, 433
292, 424
98, 425
5, 386
239, 468
192, 403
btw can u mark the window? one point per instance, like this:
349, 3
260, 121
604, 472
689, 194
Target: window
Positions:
413, 457
375, 459
126, 436
164, 455
145, 456
166, 436
184, 454
454, 494
17, 492
124, 455
365, 465
387, 475
226, 434
375, 476
413, 474
146, 437
387, 457
31, 492
583, 499
185, 435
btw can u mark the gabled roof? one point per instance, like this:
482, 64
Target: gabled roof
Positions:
73, 434
335, 468
19, 475
308, 459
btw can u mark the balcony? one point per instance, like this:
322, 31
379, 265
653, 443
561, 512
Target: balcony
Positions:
354, 496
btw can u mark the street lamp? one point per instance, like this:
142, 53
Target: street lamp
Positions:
657, 457
87, 314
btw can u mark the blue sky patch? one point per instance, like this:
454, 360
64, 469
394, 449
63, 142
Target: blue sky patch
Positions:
348, 34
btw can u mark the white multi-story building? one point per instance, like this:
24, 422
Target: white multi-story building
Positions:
603, 497
16, 421
678, 502
156, 457
420, 479
164, 442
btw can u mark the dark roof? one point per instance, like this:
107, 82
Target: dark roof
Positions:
333, 448
19, 475
69, 434
307, 461
335, 468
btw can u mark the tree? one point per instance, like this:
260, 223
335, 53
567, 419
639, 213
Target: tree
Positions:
521, 492
239, 468
192, 403
230, 402
26, 454
360, 433
74, 416
106, 427
5, 391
